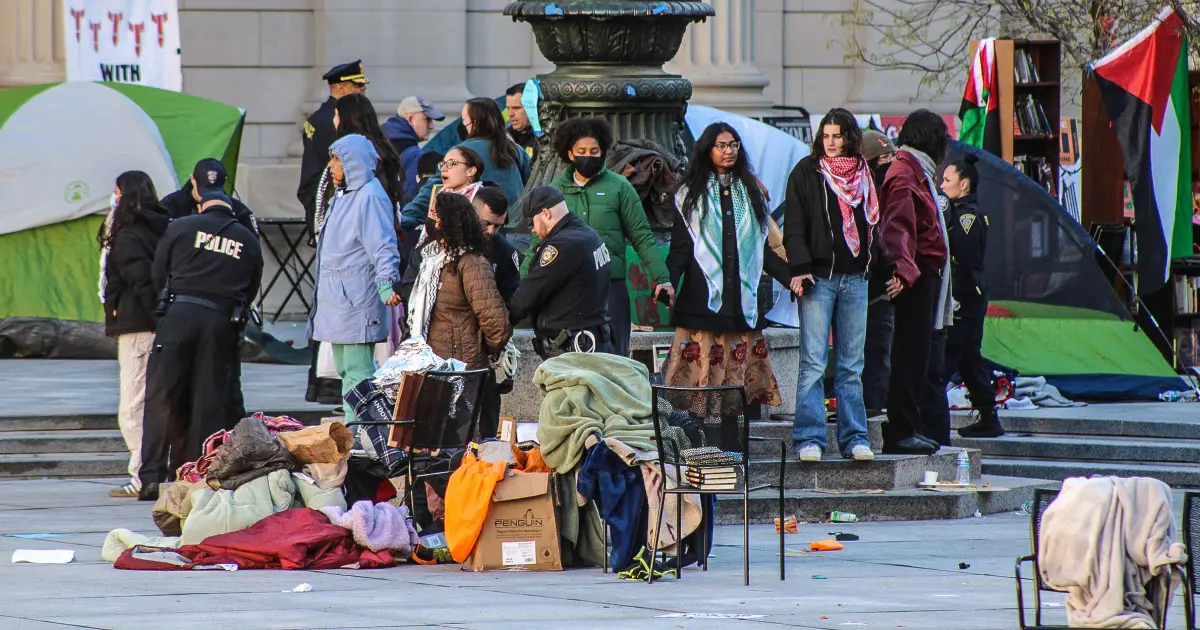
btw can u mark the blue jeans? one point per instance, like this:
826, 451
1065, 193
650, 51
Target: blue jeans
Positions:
840, 304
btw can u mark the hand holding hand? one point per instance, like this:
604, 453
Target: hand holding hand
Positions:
797, 284
667, 289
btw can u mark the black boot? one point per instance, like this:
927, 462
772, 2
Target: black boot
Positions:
910, 445
988, 425
149, 492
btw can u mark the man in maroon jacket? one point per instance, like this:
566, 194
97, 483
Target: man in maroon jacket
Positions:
914, 240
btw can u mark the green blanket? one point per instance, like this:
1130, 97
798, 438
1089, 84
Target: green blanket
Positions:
586, 394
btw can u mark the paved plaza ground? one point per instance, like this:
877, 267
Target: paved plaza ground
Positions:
899, 575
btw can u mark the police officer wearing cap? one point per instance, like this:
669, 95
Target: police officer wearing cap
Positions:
186, 201
207, 270
319, 132
566, 290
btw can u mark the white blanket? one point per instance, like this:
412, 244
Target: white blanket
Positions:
1111, 544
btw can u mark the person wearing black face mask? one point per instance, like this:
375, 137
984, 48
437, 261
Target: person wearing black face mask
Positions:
608, 204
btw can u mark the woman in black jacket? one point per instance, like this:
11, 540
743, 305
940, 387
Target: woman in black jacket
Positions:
128, 240
718, 253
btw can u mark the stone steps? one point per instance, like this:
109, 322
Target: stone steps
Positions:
906, 504
1087, 448
1056, 448
780, 428
63, 465
77, 445
1028, 422
886, 472
65, 441
1174, 475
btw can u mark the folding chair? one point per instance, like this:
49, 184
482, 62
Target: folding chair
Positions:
688, 418
447, 413
1042, 498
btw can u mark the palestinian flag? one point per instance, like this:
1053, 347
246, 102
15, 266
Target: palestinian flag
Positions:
980, 111
1144, 86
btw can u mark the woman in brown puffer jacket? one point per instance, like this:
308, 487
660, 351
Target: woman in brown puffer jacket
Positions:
455, 305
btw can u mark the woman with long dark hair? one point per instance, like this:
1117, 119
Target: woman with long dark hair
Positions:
128, 240
610, 205
718, 253
455, 305
831, 210
506, 164
914, 238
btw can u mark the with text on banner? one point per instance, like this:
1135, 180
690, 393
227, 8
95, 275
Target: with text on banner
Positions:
123, 41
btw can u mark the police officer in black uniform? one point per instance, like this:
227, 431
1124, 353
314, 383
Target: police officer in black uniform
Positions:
319, 133
186, 202
967, 228
207, 270
566, 290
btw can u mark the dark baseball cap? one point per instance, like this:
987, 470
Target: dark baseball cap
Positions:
209, 175
540, 198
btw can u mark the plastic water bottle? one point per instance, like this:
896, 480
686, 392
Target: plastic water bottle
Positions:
962, 469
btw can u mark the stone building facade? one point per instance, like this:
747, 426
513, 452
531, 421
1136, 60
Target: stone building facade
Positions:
267, 57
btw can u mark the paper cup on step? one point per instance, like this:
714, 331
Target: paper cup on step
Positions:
931, 476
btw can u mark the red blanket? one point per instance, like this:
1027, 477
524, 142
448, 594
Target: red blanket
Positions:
299, 538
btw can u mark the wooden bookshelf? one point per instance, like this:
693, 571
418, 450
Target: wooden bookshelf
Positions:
1030, 68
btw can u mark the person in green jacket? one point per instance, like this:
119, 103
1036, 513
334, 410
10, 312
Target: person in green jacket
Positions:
608, 203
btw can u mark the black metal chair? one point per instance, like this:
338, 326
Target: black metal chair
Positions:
687, 418
1191, 538
446, 416
1042, 498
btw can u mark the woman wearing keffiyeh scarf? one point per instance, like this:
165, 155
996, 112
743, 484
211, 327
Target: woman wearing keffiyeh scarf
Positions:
718, 255
831, 209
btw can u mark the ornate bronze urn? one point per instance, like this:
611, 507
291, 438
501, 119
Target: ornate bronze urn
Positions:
608, 59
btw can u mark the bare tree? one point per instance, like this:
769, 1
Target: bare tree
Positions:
932, 37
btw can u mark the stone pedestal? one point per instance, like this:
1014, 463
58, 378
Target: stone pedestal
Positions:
717, 56
525, 401
608, 59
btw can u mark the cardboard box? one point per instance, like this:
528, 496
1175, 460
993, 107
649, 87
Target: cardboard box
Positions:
520, 533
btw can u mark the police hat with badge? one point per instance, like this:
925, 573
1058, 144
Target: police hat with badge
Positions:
209, 177
347, 73
540, 199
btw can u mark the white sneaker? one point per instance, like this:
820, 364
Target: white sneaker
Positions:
810, 453
862, 453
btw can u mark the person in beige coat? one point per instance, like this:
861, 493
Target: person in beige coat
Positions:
455, 304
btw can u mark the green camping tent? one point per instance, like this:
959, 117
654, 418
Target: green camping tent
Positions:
61, 148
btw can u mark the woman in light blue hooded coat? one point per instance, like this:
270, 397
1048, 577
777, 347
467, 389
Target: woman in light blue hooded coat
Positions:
357, 264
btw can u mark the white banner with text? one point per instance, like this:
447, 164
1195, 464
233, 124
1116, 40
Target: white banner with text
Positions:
123, 41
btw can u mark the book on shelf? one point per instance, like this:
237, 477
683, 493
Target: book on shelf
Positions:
1036, 168
1031, 117
1187, 294
1024, 69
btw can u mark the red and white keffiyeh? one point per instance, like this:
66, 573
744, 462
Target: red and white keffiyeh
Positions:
851, 180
